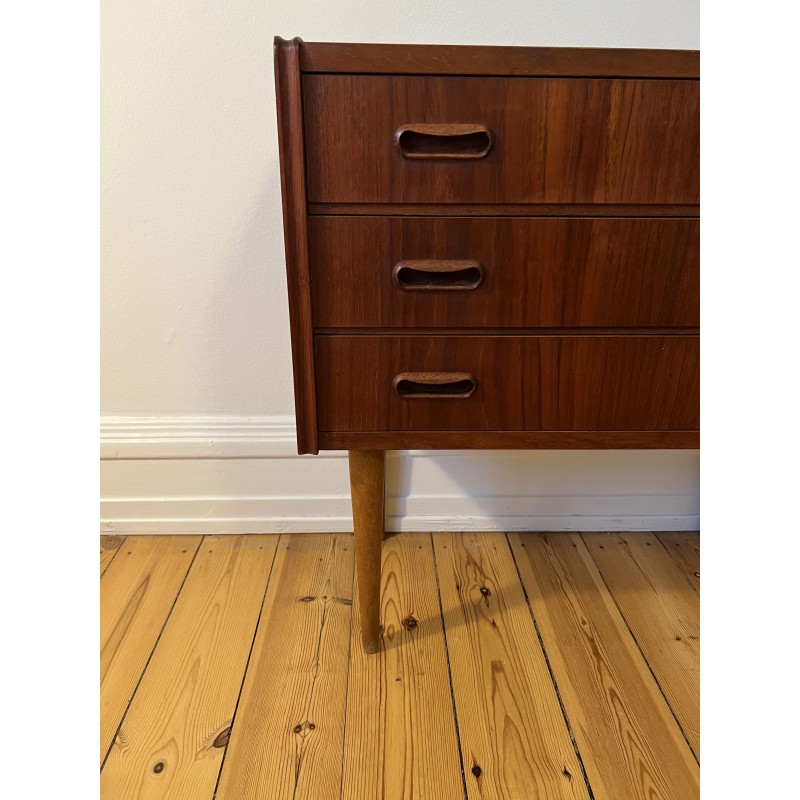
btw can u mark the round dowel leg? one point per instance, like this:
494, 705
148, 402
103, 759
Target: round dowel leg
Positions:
367, 492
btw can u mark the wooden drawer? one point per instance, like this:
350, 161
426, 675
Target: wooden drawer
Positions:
501, 272
511, 383
391, 139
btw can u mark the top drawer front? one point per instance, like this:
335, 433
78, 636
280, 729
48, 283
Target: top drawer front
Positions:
554, 140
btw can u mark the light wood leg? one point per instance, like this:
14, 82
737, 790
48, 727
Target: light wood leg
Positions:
367, 492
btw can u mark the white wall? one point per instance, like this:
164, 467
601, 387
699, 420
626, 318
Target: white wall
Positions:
194, 316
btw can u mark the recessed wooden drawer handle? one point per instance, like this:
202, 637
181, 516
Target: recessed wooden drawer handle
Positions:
437, 275
422, 140
445, 385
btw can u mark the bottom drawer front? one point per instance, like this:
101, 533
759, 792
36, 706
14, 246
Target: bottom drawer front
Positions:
515, 383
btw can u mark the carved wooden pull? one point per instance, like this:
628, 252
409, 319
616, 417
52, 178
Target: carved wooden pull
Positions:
437, 275
439, 385
422, 140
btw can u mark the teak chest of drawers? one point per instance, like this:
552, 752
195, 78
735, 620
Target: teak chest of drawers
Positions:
487, 247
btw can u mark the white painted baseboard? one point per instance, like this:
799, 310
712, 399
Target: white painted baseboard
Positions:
242, 474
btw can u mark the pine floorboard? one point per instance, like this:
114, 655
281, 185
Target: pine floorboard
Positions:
514, 738
511, 666
630, 743
685, 549
288, 732
649, 589
108, 549
398, 700
173, 736
137, 592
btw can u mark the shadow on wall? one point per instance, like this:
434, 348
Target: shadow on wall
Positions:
245, 332
543, 490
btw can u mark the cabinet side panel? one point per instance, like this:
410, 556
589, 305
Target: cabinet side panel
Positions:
288, 94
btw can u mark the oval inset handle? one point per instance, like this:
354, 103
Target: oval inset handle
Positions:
434, 385
422, 140
417, 275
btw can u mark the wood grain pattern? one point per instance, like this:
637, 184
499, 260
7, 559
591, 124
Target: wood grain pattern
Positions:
556, 140
318, 718
693, 330
174, 749
649, 589
440, 385
287, 736
401, 736
409, 59
450, 141
684, 547
505, 209
288, 96
509, 440
136, 595
523, 383
536, 272
514, 741
569, 175
629, 741
109, 545
367, 471
432, 275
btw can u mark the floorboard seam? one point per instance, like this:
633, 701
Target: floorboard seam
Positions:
680, 566
152, 652
641, 653
347, 679
317, 652
550, 670
119, 547
449, 671
246, 667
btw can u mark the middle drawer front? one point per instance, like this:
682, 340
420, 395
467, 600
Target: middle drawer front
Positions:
504, 272
523, 383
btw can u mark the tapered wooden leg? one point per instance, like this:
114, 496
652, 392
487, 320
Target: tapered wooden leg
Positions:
366, 489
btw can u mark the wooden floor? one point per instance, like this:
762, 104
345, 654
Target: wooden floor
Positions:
513, 666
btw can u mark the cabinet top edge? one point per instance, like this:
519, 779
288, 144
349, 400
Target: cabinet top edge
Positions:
429, 59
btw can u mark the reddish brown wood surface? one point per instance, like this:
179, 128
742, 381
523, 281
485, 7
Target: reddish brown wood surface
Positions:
453, 140
430, 275
509, 440
535, 272
505, 209
556, 140
523, 383
288, 95
484, 60
570, 177
694, 330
